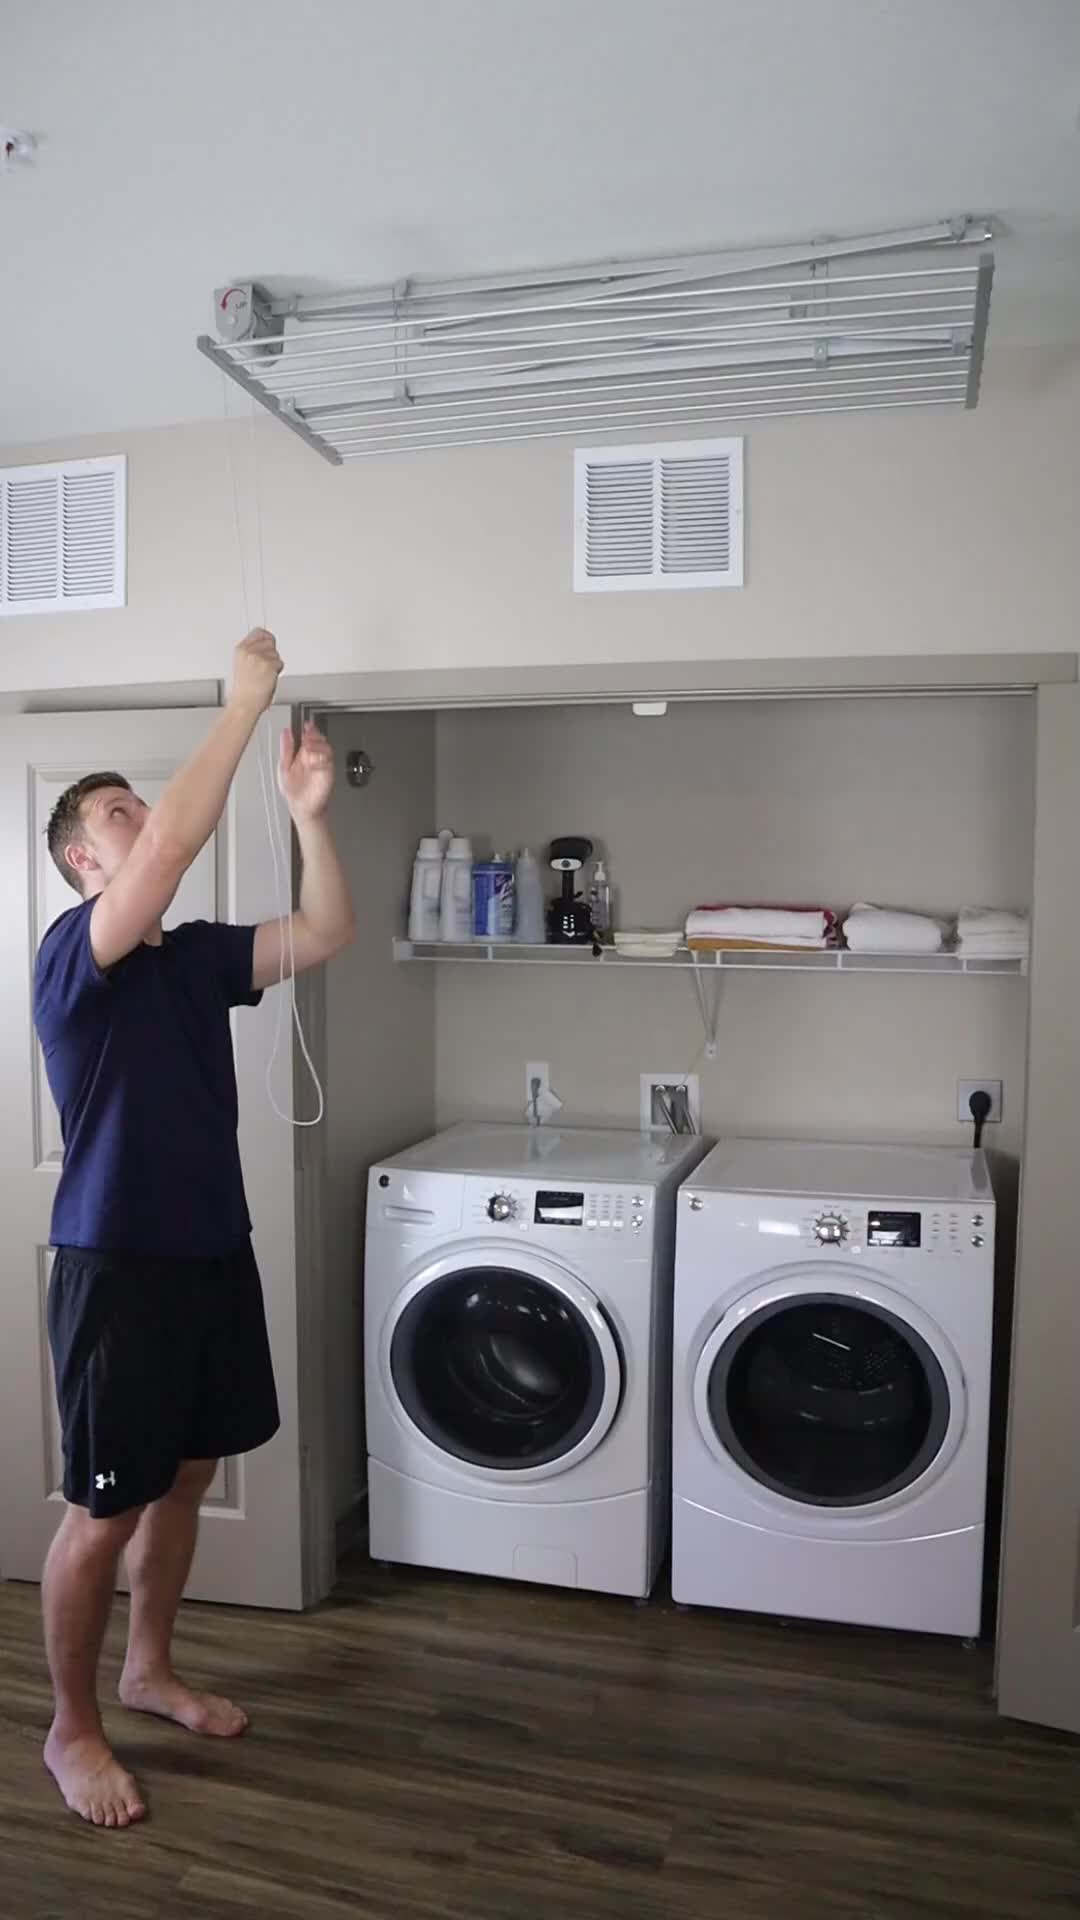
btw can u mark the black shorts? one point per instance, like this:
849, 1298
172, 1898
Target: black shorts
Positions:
156, 1361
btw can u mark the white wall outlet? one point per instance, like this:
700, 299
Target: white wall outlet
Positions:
652, 1115
964, 1091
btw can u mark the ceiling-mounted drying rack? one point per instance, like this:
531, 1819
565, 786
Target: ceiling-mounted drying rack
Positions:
883, 320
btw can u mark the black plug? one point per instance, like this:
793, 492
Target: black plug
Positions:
980, 1105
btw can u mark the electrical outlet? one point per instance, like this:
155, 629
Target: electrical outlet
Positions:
964, 1091
682, 1085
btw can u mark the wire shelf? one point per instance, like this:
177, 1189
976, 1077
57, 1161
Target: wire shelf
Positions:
830, 961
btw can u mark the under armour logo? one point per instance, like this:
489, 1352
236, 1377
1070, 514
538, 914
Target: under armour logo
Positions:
105, 1480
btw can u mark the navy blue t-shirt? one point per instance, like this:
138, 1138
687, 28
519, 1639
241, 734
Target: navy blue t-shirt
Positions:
140, 1063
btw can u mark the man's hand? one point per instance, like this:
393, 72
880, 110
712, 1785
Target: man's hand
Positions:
306, 773
257, 664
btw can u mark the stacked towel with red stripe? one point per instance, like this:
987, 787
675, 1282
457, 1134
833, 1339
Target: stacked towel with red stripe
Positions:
779, 929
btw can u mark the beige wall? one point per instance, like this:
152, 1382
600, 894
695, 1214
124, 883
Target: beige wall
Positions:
920, 802
877, 533
380, 1040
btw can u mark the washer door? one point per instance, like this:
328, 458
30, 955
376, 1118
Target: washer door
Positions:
505, 1362
832, 1398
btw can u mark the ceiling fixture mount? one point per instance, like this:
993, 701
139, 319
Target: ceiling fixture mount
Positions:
16, 148
892, 319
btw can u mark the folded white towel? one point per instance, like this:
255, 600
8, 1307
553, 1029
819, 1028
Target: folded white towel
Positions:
789, 925
984, 921
992, 933
647, 945
994, 947
870, 929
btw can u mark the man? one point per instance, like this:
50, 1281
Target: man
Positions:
155, 1309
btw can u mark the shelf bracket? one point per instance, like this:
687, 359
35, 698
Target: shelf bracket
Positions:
708, 999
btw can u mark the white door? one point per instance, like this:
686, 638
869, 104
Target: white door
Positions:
250, 1550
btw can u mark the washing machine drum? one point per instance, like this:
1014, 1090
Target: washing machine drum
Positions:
499, 1368
828, 1401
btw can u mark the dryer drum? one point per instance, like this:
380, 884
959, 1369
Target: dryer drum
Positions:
834, 1368
828, 1401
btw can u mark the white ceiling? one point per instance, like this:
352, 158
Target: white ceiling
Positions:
337, 141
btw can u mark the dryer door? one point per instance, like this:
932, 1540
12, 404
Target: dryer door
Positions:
829, 1394
504, 1361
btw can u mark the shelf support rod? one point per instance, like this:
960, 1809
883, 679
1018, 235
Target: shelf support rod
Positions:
708, 1000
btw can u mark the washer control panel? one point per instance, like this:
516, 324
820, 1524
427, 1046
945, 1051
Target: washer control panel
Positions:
526, 1208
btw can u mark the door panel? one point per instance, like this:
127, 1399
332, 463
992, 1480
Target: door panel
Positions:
250, 1545
1038, 1674
497, 1369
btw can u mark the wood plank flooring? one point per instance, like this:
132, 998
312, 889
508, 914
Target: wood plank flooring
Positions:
425, 1746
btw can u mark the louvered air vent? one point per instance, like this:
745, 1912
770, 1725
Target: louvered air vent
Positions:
62, 536
658, 516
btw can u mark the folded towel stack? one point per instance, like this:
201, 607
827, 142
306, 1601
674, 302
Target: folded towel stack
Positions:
870, 929
989, 933
645, 944
785, 928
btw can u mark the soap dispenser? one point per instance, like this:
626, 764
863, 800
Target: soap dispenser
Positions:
600, 902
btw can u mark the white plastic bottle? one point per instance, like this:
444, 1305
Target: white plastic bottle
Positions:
530, 926
455, 919
425, 900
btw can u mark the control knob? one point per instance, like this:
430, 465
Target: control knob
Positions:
501, 1206
830, 1229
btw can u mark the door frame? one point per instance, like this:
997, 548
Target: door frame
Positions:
1038, 1644
571, 683
1038, 1655
603, 682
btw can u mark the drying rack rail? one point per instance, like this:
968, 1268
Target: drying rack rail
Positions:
893, 319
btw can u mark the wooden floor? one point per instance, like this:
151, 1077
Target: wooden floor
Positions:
429, 1747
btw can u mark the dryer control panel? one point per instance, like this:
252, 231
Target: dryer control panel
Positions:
841, 1227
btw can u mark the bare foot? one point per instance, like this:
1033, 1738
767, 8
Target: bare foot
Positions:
93, 1783
199, 1712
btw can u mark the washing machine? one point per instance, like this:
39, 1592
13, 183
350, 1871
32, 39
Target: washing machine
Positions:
832, 1364
517, 1316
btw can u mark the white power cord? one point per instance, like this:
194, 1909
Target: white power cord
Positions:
279, 851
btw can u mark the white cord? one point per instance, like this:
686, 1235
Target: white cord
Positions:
279, 851
280, 856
